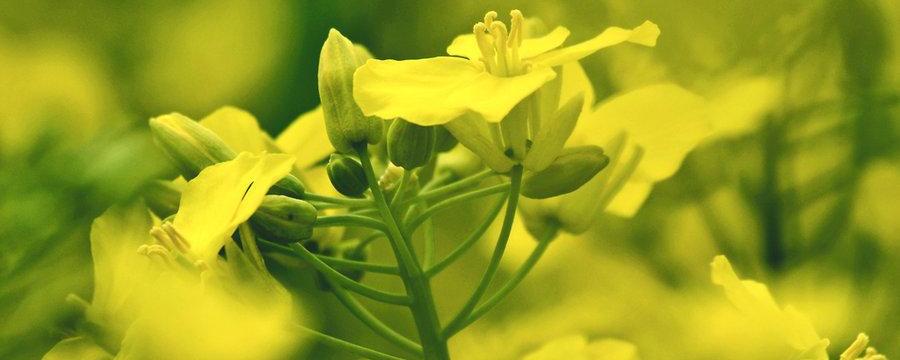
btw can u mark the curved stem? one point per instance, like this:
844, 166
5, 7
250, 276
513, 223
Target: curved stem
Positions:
372, 322
337, 200
428, 213
458, 185
349, 220
467, 244
423, 310
459, 320
346, 345
359, 265
329, 272
510, 285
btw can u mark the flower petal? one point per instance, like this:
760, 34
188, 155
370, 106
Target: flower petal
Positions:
306, 139
225, 195
666, 120
237, 128
466, 46
645, 34
435, 91
119, 271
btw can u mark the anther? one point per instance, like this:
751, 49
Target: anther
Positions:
162, 237
498, 29
156, 252
515, 41
485, 44
179, 241
489, 17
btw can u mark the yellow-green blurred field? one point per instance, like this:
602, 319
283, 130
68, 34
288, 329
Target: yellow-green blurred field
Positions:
799, 185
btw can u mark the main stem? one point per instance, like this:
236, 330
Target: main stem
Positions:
417, 285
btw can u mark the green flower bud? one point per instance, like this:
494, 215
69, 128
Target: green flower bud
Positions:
192, 147
189, 145
284, 220
444, 140
410, 145
346, 175
571, 169
162, 197
344, 121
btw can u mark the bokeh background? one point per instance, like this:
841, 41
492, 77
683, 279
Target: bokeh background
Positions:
801, 189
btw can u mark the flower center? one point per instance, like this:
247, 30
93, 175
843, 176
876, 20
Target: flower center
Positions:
499, 47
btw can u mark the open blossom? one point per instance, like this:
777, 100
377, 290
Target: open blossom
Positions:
483, 94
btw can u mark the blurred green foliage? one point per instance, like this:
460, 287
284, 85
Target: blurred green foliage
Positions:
805, 199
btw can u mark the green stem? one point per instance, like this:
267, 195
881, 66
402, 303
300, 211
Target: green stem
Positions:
337, 200
372, 322
346, 345
337, 262
359, 265
467, 244
458, 185
350, 284
248, 240
510, 285
349, 220
417, 286
428, 213
459, 320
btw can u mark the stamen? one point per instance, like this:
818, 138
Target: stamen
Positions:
162, 237
179, 241
856, 348
156, 253
515, 41
485, 44
489, 18
498, 29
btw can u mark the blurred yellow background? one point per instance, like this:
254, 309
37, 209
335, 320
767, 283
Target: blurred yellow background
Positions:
800, 189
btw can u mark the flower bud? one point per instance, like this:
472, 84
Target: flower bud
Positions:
189, 145
162, 197
192, 147
283, 219
571, 169
410, 145
444, 141
346, 175
344, 121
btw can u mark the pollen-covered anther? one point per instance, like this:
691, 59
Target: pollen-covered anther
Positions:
498, 30
489, 17
181, 244
485, 45
157, 253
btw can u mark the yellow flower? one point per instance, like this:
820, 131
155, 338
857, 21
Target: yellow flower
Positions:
646, 133
497, 70
171, 296
786, 325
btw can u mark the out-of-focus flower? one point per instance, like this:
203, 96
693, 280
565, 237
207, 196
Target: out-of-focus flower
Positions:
172, 296
479, 96
577, 347
790, 330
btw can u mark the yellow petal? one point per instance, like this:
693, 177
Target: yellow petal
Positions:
576, 82
472, 132
465, 45
225, 195
437, 90
237, 128
119, 271
306, 139
740, 106
645, 34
